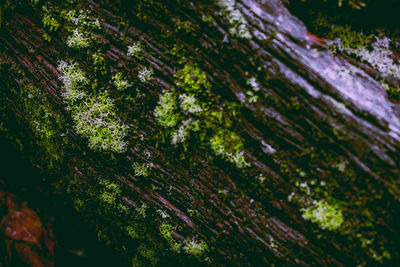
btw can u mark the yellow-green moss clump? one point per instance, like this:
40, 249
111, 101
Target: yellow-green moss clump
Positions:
190, 110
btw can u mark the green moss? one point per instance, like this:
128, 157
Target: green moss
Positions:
99, 63
5, 7
149, 254
392, 91
197, 249
194, 248
111, 193
143, 169
165, 230
166, 110
207, 18
356, 4
229, 145
45, 124
185, 26
349, 39
192, 79
98, 201
190, 110
119, 82
148, 9
132, 231
50, 23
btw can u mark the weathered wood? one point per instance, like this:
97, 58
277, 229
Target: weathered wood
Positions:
309, 106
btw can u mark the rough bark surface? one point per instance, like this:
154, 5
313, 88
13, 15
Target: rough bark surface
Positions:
310, 106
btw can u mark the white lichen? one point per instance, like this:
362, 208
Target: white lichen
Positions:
253, 83
146, 74
180, 135
195, 248
325, 215
239, 24
119, 82
379, 56
142, 169
72, 76
190, 104
81, 19
79, 39
94, 116
135, 50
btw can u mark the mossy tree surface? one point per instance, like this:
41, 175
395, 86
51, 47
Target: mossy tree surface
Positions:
203, 133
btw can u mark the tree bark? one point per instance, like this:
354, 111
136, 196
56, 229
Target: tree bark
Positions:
311, 113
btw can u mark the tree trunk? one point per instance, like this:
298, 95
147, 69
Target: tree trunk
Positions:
312, 133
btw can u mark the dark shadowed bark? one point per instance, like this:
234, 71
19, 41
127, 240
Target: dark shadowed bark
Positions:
310, 119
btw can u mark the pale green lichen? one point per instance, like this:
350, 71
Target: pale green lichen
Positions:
189, 103
180, 135
239, 24
94, 115
96, 119
119, 82
72, 76
253, 83
142, 169
189, 246
165, 111
135, 50
370, 49
79, 39
146, 74
194, 248
325, 215
81, 19
81, 36
251, 97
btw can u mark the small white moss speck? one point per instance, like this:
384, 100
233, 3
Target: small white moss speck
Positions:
146, 74
135, 50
